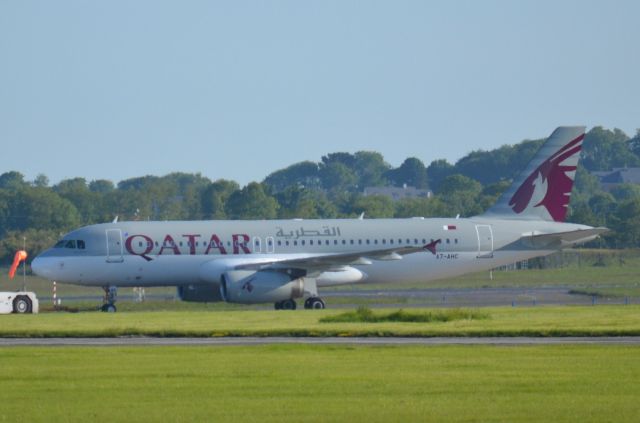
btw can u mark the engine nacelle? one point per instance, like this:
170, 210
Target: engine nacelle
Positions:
199, 293
265, 286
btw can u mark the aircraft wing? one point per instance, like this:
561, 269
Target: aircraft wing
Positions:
322, 262
562, 239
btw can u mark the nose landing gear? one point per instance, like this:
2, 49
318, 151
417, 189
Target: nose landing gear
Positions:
109, 300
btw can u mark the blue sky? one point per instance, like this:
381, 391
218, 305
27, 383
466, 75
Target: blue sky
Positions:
117, 89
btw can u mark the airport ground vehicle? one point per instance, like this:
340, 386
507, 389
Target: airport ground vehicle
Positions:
20, 302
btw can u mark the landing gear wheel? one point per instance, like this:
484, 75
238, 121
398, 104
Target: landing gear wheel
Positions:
22, 305
108, 308
314, 303
285, 305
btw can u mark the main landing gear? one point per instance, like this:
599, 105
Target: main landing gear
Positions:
314, 303
110, 297
311, 303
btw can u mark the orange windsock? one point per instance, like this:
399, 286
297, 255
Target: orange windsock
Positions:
20, 256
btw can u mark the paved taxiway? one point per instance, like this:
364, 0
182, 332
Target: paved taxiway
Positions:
247, 341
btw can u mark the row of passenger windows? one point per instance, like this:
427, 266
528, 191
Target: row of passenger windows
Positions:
383, 241
70, 243
280, 243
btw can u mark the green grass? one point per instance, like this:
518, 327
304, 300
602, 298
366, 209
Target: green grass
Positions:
366, 315
502, 321
293, 383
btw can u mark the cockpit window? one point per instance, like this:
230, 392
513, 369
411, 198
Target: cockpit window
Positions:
70, 243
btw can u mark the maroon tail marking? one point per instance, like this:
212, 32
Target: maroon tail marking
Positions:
559, 184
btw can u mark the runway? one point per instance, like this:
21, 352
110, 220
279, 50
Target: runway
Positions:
249, 341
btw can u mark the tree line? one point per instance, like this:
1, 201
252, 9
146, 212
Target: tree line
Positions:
37, 213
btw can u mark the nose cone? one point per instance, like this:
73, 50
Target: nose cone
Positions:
36, 266
42, 267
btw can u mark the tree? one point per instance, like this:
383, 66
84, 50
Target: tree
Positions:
460, 195
101, 186
603, 149
437, 171
251, 202
626, 223
296, 202
337, 177
370, 169
41, 181
12, 180
303, 174
411, 172
373, 206
624, 192
41, 208
420, 207
215, 196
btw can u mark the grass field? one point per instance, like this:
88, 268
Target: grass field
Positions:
321, 383
499, 321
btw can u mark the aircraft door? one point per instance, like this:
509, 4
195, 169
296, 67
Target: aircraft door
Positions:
114, 246
485, 241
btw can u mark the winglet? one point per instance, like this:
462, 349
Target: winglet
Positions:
432, 246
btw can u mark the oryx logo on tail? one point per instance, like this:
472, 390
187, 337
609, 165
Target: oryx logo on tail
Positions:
549, 185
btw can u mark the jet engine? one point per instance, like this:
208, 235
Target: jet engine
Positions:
199, 293
264, 286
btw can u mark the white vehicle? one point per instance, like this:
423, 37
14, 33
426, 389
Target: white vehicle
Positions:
18, 302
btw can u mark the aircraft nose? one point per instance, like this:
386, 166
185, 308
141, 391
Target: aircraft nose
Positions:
41, 266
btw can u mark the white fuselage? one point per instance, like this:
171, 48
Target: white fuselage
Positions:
196, 252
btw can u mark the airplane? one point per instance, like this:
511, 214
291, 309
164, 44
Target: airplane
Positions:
279, 261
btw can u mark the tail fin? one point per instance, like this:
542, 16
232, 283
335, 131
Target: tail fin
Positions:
543, 190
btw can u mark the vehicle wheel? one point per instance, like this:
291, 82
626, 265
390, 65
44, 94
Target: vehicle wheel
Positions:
22, 304
288, 305
278, 305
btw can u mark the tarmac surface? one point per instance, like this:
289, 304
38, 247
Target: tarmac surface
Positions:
249, 341
430, 297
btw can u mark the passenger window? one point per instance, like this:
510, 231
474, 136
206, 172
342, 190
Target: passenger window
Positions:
351, 242
344, 242
335, 242
279, 243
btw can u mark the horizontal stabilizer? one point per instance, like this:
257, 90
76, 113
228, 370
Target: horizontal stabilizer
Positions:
562, 239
